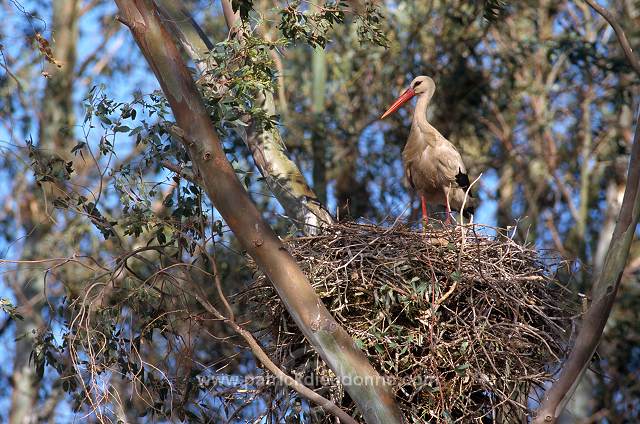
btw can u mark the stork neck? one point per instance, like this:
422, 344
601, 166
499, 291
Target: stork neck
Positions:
420, 114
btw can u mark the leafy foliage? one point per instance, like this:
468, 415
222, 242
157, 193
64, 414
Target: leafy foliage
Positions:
369, 26
235, 71
312, 27
7, 307
243, 7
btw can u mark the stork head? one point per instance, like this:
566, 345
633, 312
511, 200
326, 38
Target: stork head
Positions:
423, 84
420, 86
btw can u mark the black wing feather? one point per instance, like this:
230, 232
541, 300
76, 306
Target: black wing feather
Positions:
408, 174
462, 180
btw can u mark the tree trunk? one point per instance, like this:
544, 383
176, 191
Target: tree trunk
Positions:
55, 132
615, 190
505, 195
352, 196
318, 139
282, 175
365, 386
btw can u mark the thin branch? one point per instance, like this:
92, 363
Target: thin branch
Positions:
179, 170
216, 275
260, 354
566, 193
622, 37
555, 236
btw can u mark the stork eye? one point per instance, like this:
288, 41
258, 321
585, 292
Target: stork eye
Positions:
417, 84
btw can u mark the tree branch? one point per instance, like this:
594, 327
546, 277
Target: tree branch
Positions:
605, 286
617, 28
257, 350
282, 175
370, 392
603, 294
178, 170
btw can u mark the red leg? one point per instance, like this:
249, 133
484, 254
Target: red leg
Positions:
425, 217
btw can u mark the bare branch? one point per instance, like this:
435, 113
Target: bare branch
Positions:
181, 172
622, 37
603, 295
259, 353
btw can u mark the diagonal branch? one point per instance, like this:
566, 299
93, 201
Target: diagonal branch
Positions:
370, 392
622, 37
606, 286
258, 351
603, 294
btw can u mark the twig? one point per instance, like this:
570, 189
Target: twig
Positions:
464, 201
262, 356
622, 37
179, 170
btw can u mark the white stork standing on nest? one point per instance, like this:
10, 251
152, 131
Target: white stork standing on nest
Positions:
432, 164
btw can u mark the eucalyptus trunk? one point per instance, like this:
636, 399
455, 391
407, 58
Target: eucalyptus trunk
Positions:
54, 139
367, 388
318, 137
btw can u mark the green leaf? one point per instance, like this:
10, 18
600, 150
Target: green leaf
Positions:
460, 369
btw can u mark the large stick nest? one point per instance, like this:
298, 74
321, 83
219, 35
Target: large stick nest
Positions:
465, 326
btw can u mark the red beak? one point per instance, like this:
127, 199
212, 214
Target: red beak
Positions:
404, 97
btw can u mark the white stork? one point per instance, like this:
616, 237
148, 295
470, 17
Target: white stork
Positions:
432, 165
